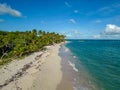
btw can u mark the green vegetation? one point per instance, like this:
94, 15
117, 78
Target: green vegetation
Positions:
17, 44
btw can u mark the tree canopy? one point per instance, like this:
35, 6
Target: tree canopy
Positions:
17, 44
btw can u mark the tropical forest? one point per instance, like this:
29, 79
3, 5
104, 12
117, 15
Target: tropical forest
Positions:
18, 44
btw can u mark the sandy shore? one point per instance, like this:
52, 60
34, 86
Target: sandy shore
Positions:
39, 71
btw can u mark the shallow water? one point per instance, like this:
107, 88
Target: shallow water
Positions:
99, 60
77, 78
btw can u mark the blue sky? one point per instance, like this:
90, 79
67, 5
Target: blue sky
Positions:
83, 19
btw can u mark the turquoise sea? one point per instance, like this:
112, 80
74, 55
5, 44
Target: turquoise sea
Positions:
100, 59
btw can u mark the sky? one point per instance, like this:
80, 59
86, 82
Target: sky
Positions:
77, 19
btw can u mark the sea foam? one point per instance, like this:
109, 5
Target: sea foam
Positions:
66, 49
68, 41
74, 57
73, 66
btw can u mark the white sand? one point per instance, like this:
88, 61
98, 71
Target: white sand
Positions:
41, 74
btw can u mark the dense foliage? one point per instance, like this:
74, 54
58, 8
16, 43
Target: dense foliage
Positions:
17, 44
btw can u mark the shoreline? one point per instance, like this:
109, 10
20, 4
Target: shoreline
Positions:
74, 78
67, 78
52, 69
39, 71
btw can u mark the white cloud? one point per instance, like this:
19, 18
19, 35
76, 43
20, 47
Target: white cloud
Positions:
97, 36
1, 20
67, 4
5, 9
111, 32
72, 34
112, 29
110, 9
76, 11
68, 35
76, 32
98, 21
72, 21
105, 10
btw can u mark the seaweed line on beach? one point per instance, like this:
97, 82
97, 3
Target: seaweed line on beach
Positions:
19, 73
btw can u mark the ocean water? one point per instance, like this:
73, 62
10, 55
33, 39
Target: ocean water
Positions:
99, 60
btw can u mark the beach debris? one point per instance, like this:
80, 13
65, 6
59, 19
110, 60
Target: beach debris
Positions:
38, 57
17, 75
21, 72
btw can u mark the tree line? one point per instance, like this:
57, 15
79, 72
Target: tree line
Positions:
17, 44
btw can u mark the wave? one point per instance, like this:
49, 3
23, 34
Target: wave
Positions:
66, 49
68, 42
74, 57
81, 88
73, 66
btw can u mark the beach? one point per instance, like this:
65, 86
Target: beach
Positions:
54, 68
38, 71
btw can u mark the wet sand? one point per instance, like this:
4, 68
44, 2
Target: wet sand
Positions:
75, 77
68, 73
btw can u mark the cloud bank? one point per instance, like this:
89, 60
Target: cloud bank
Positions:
111, 32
